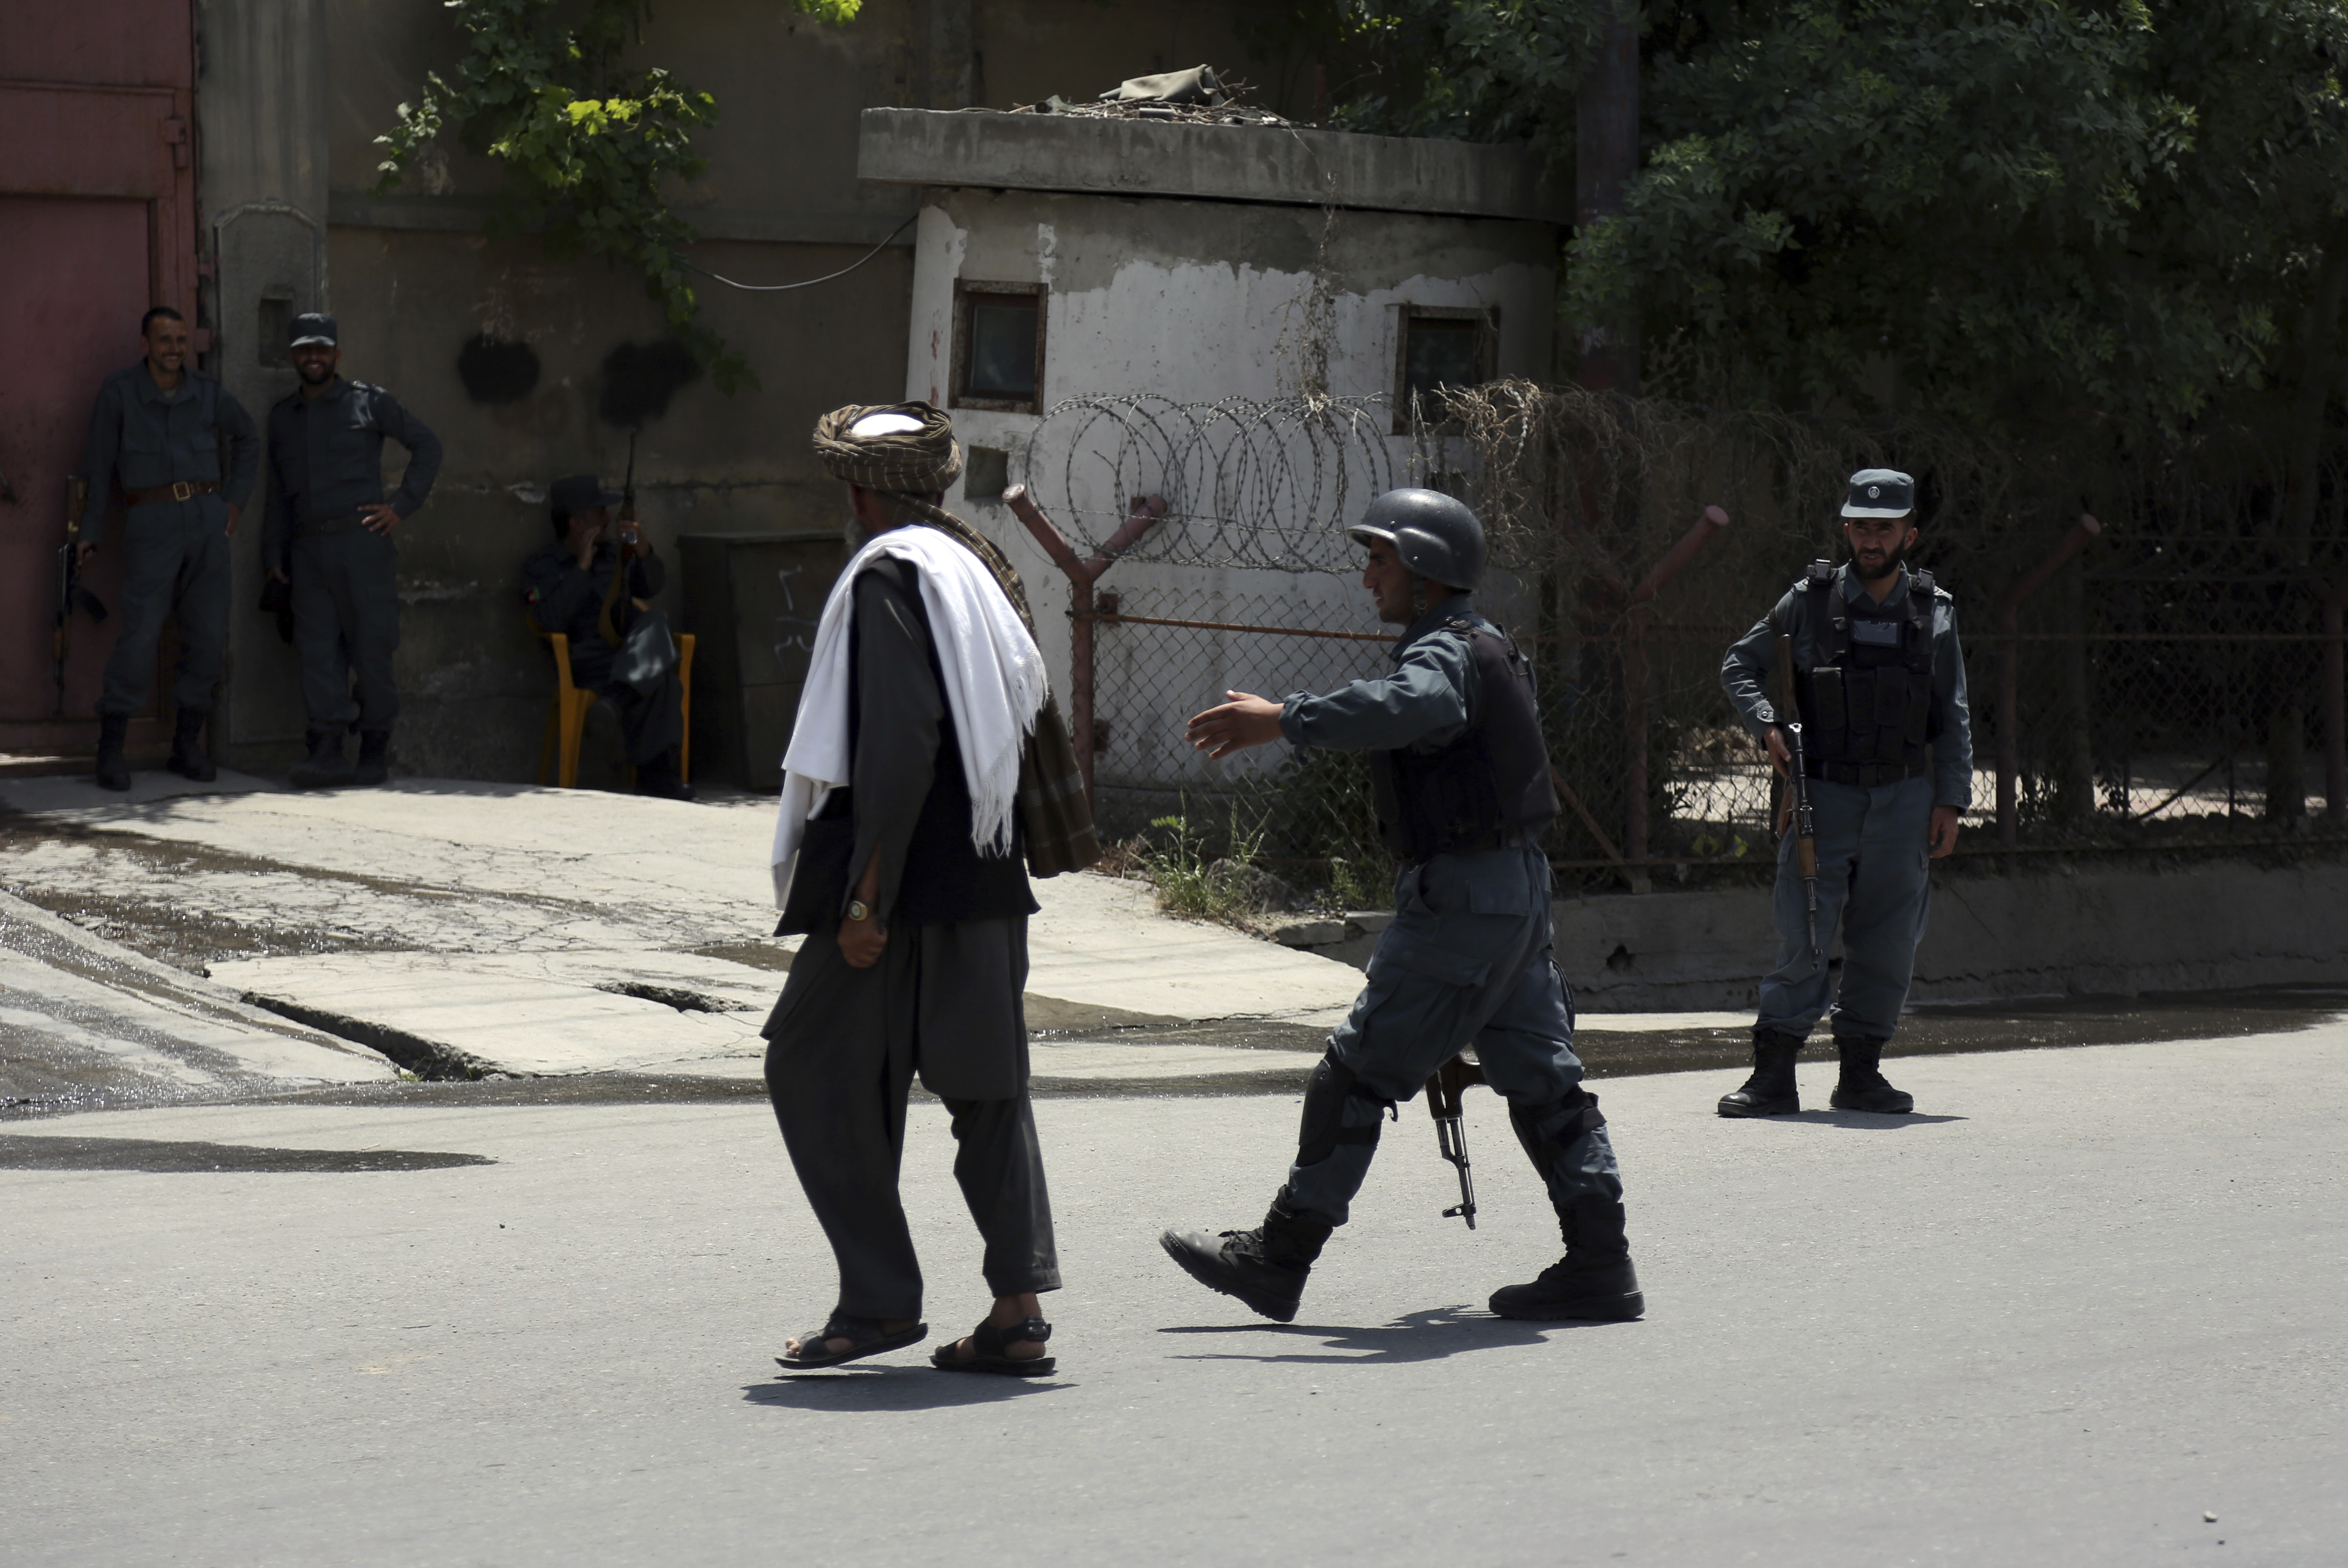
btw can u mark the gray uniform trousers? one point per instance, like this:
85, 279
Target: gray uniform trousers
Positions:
1874, 878
1468, 961
347, 622
844, 1045
171, 548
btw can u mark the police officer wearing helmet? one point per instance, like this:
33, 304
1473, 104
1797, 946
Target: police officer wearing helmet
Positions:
1888, 743
1462, 791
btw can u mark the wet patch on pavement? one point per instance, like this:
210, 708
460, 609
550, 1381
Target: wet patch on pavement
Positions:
172, 1157
135, 890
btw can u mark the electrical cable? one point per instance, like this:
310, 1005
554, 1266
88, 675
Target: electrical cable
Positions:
777, 288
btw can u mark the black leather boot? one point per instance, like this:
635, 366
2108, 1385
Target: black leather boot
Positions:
190, 757
1861, 1086
1771, 1090
661, 778
113, 772
325, 767
1593, 1280
374, 756
1264, 1268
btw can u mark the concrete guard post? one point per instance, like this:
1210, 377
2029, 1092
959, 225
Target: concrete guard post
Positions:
1082, 574
2009, 670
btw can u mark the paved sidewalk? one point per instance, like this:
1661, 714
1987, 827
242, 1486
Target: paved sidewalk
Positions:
508, 929
2090, 1297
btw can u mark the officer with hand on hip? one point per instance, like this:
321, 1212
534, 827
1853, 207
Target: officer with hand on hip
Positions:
1462, 783
328, 529
1889, 755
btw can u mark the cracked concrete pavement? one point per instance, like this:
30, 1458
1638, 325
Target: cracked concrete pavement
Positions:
472, 929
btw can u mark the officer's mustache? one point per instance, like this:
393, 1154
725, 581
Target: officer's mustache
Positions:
1895, 557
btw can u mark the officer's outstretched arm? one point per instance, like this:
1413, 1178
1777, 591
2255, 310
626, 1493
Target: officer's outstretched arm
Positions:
1245, 720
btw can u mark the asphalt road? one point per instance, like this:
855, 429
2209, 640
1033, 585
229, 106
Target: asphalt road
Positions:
2090, 1295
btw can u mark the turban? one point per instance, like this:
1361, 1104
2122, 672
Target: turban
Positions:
907, 448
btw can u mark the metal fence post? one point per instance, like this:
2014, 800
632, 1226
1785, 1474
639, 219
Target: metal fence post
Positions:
2335, 705
1083, 575
2009, 672
1634, 676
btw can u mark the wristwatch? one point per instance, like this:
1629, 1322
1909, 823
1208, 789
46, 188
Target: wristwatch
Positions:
858, 909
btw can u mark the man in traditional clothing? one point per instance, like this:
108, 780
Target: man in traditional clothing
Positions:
927, 762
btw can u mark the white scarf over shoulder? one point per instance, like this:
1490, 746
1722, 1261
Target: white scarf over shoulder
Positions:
995, 686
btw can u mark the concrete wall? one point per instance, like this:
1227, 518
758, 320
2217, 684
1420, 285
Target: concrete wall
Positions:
1195, 300
2083, 933
293, 93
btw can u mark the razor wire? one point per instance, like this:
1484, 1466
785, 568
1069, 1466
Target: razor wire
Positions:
1271, 483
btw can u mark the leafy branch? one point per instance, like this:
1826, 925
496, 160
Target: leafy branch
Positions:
586, 141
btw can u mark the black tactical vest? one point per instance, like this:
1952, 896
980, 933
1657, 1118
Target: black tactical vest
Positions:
1489, 786
1867, 699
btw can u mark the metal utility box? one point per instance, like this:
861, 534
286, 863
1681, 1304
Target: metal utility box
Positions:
752, 601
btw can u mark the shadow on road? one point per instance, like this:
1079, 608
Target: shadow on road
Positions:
1863, 1121
890, 1388
1416, 1336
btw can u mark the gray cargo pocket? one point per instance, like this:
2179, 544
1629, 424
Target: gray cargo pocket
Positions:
1441, 963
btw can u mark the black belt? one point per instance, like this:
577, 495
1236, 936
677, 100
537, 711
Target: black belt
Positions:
1863, 775
1505, 839
328, 525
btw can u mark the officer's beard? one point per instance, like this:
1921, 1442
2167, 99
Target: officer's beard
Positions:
1890, 565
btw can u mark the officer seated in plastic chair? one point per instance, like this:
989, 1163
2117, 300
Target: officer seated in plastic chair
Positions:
620, 648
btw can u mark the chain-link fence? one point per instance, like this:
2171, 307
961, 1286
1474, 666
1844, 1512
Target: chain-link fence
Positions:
2163, 679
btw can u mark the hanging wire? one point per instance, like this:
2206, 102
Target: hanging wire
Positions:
778, 288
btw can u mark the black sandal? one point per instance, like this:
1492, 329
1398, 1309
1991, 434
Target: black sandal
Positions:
991, 1343
871, 1339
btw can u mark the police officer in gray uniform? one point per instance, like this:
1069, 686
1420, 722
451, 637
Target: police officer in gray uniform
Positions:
1887, 740
1462, 791
157, 431
329, 531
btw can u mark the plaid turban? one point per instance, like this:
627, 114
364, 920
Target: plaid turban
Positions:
904, 462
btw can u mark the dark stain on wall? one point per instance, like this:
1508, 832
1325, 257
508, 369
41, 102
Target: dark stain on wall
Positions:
497, 369
639, 379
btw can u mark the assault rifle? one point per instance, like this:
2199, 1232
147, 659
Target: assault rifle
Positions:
70, 592
1806, 840
604, 624
1450, 1134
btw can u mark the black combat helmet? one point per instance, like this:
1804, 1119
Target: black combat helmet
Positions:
1436, 535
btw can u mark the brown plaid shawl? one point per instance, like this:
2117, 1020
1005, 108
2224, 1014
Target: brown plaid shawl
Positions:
1054, 817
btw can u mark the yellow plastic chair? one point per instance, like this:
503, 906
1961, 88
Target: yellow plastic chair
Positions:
566, 719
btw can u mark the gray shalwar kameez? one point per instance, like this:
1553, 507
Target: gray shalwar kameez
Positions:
944, 1002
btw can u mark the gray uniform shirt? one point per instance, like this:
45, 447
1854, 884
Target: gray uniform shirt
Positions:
325, 459
143, 437
1427, 700
1753, 659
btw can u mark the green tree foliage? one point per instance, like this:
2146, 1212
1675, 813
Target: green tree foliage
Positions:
2010, 206
587, 142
